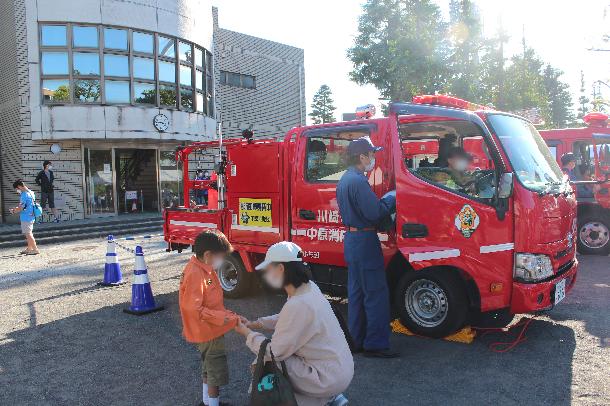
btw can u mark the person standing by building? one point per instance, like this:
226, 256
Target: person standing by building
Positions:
45, 179
362, 212
26, 215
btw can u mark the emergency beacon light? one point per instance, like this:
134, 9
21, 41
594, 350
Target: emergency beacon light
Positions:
366, 111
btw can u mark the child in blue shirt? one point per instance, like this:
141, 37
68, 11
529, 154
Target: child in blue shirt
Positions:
26, 215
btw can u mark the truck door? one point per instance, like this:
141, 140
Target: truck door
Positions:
316, 224
448, 215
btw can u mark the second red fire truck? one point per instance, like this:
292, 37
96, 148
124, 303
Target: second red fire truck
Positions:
591, 147
456, 254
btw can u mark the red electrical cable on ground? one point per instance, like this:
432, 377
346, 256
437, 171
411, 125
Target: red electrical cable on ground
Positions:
507, 346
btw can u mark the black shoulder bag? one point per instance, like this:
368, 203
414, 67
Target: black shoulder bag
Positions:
270, 386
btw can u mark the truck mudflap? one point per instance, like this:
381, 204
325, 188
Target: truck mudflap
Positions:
533, 297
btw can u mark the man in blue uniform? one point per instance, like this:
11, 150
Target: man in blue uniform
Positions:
362, 211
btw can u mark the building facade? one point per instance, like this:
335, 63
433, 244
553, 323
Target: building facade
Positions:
260, 83
107, 90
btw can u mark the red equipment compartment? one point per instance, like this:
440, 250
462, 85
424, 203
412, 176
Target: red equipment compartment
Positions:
185, 224
253, 193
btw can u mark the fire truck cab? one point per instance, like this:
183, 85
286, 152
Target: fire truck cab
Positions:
480, 244
591, 146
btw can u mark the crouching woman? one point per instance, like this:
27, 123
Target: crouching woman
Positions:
307, 335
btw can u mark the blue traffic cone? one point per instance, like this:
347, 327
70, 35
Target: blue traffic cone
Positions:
142, 300
112, 269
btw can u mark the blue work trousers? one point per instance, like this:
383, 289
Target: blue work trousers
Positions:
367, 288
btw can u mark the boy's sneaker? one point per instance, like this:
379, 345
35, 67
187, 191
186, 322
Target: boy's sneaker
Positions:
339, 400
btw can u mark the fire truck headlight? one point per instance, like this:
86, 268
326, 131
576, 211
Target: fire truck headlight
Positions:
532, 267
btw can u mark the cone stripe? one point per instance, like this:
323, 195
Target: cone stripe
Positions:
140, 279
112, 259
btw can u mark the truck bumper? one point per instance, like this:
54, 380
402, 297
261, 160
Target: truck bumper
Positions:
533, 297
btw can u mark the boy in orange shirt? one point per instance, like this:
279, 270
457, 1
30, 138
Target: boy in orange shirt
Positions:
205, 320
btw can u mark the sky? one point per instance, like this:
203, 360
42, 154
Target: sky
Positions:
559, 30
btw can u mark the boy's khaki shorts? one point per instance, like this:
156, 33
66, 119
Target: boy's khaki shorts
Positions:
214, 365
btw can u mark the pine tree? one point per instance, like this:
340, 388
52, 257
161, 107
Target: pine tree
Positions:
583, 100
560, 100
322, 108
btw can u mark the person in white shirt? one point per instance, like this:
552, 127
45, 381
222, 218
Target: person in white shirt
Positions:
307, 335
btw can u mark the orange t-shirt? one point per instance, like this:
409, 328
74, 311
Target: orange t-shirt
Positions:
201, 304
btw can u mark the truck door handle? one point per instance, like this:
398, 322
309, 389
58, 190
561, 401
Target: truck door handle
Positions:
307, 214
414, 230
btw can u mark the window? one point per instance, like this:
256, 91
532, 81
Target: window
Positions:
142, 42
88, 63
115, 39
167, 71
144, 93
198, 56
117, 91
200, 103
143, 68
450, 154
85, 64
56, 90
116, 65
186, 99
185, 75
54, 63
53, 36
247, 81
167, 95
166, 47
237, 80
84, 36
325, 155
185, 51
87, 90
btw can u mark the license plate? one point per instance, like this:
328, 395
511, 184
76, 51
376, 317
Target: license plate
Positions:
560, 291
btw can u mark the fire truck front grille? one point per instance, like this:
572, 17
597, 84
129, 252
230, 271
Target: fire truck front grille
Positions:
564, 268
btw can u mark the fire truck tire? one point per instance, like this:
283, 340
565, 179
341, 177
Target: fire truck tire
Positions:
432, 302
235, 281
593, 234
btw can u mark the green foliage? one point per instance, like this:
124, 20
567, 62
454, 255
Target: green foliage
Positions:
322, 108
401, 48
559, 98
62, 93
405, 47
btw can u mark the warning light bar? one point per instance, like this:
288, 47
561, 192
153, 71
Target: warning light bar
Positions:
366, 111
448, 101
596, 119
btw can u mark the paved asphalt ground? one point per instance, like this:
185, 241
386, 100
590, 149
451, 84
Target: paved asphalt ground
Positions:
64, 341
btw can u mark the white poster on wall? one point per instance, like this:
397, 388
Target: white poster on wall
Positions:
107, 168
131, 194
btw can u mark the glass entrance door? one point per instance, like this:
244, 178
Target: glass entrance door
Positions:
99, 182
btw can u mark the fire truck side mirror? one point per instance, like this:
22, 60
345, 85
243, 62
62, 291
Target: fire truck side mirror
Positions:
505, 185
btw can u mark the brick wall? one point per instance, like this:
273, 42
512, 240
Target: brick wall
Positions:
14, 111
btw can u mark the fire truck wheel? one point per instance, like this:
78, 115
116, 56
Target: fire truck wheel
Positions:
432, 302
234, 279
593, 234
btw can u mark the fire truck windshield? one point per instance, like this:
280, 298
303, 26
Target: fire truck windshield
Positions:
529, 156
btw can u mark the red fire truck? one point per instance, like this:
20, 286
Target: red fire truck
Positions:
499, 242
591, 146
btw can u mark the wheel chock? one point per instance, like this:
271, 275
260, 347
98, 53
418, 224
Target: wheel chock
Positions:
465, 335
